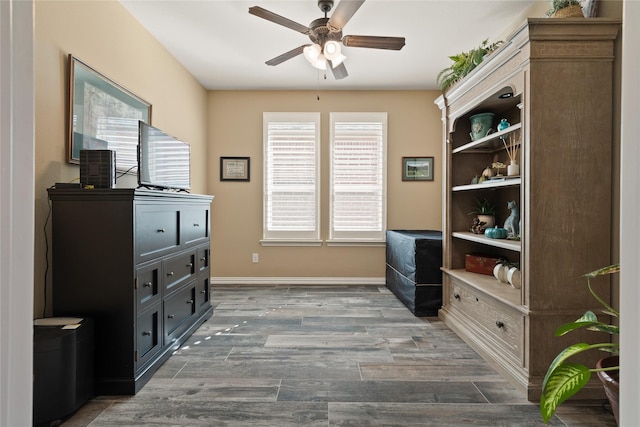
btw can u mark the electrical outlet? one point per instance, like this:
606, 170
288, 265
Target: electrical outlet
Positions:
255, 258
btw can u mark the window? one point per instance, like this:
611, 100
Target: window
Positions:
358, 176
291, 178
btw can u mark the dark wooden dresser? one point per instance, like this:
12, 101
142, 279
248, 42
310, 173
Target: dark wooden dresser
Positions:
137, 262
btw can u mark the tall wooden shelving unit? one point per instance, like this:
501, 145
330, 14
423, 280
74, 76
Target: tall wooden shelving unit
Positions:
560, 75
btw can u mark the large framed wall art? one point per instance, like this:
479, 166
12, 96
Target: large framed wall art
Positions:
103, 115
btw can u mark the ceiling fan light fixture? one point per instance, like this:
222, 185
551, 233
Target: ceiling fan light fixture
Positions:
320, 63
331, 50
312, 52
338, 60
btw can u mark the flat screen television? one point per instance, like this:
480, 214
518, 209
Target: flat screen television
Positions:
164, 162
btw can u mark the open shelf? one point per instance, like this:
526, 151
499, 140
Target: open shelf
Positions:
493, 183
512, 245
488, 143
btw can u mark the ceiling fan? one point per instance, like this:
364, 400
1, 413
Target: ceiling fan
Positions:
326, 36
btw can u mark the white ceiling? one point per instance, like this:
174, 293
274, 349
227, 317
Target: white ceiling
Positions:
225, 47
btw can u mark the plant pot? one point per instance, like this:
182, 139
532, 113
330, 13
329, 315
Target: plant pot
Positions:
573, 11
489, 220
611, 382
481, 125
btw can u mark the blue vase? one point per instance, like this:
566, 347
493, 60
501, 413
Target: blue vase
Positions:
503, 124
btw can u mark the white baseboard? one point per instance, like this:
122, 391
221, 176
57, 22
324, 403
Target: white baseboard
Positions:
374, 281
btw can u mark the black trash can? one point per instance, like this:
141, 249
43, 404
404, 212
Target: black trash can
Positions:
63, 349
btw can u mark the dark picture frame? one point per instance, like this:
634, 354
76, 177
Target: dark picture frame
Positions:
102, 115
417, 168
235, 168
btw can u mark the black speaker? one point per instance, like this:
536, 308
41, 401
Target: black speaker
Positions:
98, 168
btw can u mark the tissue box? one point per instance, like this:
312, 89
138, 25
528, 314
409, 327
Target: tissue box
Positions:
480, 264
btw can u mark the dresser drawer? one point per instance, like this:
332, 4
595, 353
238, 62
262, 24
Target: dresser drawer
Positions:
194, 225
178, 308
501, 322
178, 269
148, 285
156, 231
148, 335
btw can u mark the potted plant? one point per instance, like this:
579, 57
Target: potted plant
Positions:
566, 9
485, 211
464, 63
565, 378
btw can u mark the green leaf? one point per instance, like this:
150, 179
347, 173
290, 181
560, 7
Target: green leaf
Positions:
603, 327
562, 356
615, 268
564, 382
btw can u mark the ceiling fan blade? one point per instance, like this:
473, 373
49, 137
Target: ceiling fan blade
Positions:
287, 55
374, 42
343, 13
281, 20
339, 71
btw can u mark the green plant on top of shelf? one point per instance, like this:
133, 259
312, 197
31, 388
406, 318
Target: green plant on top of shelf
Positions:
557, 5
464, 63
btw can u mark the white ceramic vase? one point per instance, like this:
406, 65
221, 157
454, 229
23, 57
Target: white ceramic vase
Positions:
513, 169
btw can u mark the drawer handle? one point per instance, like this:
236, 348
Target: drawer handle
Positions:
196, 225
171, 316
147, 285
203, 259
190, 301
161, 230
170, 273
146, 333
456, 296
190, 265
203, 292
499, 324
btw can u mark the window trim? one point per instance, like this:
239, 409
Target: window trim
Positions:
291, 238
363, 240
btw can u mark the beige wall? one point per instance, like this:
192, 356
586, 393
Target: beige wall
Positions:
235, 129
105, 36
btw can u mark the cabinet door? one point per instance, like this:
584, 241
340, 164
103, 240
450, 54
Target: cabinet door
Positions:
178, 269
148, 285
178, 308
194, 225
202, 291
203, 257
148, 335
156, 230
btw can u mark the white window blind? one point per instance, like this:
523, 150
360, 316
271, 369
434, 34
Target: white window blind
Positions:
358, 176
291, 176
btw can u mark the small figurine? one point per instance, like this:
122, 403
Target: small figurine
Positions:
503, 124
512, 224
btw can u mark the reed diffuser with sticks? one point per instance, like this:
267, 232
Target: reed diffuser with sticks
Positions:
511, 147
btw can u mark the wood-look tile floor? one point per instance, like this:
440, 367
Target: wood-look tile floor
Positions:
324, 356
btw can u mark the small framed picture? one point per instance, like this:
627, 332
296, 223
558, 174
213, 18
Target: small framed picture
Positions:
417, 168
234, 168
